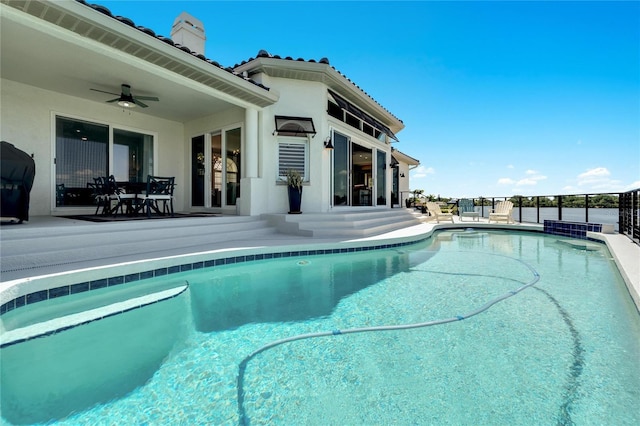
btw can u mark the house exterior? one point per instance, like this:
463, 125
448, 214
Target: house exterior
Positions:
90, 94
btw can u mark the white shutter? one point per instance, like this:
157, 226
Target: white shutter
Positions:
292, 156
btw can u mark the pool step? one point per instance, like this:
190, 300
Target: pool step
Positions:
352, 224
70, 321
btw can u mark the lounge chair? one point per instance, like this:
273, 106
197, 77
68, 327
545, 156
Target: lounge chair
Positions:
467, 209
434, 209
502, 212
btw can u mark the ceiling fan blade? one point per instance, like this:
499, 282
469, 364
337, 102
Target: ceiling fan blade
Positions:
138, 102
146, 98
102, 91
113, 100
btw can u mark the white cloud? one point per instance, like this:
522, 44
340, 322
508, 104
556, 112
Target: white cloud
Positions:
632, 185
510, 166
593, 174
506, 181
422, 171
526, 181
596, 178
532, 178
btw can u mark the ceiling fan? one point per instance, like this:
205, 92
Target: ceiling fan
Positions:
126, 99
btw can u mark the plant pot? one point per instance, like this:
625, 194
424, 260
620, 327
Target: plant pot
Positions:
295, 199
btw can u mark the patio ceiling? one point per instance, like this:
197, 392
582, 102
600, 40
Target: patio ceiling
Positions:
44, 55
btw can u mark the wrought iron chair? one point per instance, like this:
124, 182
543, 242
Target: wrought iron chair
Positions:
159, 189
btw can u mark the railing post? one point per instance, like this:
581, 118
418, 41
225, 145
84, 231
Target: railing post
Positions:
520, 209
538, 209
586, 207
559, 197
622, 201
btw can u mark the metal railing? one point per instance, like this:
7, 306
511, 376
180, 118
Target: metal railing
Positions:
618, 209
622, 210
629, 215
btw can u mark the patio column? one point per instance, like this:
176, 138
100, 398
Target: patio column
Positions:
251, 142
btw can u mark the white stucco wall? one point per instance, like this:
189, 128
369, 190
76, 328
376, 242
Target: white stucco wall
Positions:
26, 121
297, 99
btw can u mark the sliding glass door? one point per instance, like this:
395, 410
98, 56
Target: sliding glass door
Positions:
359, 173
85, 151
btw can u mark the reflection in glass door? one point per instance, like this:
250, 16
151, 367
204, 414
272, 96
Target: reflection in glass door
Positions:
362, 169
381, 178
232, 175
198, 171
216, 170
340, 169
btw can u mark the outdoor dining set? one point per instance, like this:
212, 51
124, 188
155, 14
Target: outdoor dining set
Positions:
133, 198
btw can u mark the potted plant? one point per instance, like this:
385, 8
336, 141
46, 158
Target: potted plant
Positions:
294, 186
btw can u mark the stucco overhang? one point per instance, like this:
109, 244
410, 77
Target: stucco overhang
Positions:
70, 48
324, 73
404, 158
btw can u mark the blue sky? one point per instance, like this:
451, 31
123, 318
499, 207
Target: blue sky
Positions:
498, 98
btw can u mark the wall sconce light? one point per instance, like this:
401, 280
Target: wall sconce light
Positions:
401, 174
327, 143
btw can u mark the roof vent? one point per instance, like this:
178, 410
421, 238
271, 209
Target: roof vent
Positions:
188, 31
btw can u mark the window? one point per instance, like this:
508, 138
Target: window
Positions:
293, 155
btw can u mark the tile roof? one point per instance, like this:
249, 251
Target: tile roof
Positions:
261, 54
167, 40
264, 54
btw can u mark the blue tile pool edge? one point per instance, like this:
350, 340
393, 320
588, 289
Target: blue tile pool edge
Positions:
100, 283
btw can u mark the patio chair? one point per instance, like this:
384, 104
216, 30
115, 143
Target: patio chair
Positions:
105, 192
159, 189
434, 209
502, 212
466, 208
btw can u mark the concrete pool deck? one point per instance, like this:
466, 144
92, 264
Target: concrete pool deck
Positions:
53, 251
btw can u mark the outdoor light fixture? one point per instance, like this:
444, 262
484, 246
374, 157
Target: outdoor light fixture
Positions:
327, 143
401, 174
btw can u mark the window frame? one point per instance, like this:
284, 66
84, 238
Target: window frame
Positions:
111, 126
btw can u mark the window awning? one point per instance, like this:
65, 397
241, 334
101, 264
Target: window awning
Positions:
294, 126
349, 107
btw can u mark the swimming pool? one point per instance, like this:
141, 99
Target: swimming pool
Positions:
560, 349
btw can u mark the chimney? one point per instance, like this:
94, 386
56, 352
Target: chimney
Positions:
188, 31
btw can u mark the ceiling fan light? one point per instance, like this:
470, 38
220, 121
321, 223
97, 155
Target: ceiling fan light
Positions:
126, 104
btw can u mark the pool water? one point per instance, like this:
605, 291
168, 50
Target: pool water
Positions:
564, 350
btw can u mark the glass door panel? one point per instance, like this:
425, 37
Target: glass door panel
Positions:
395, 190
340, 169
233, 160
132, 156
216, 170
381, 178
197, 171
82, 154
362, 178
